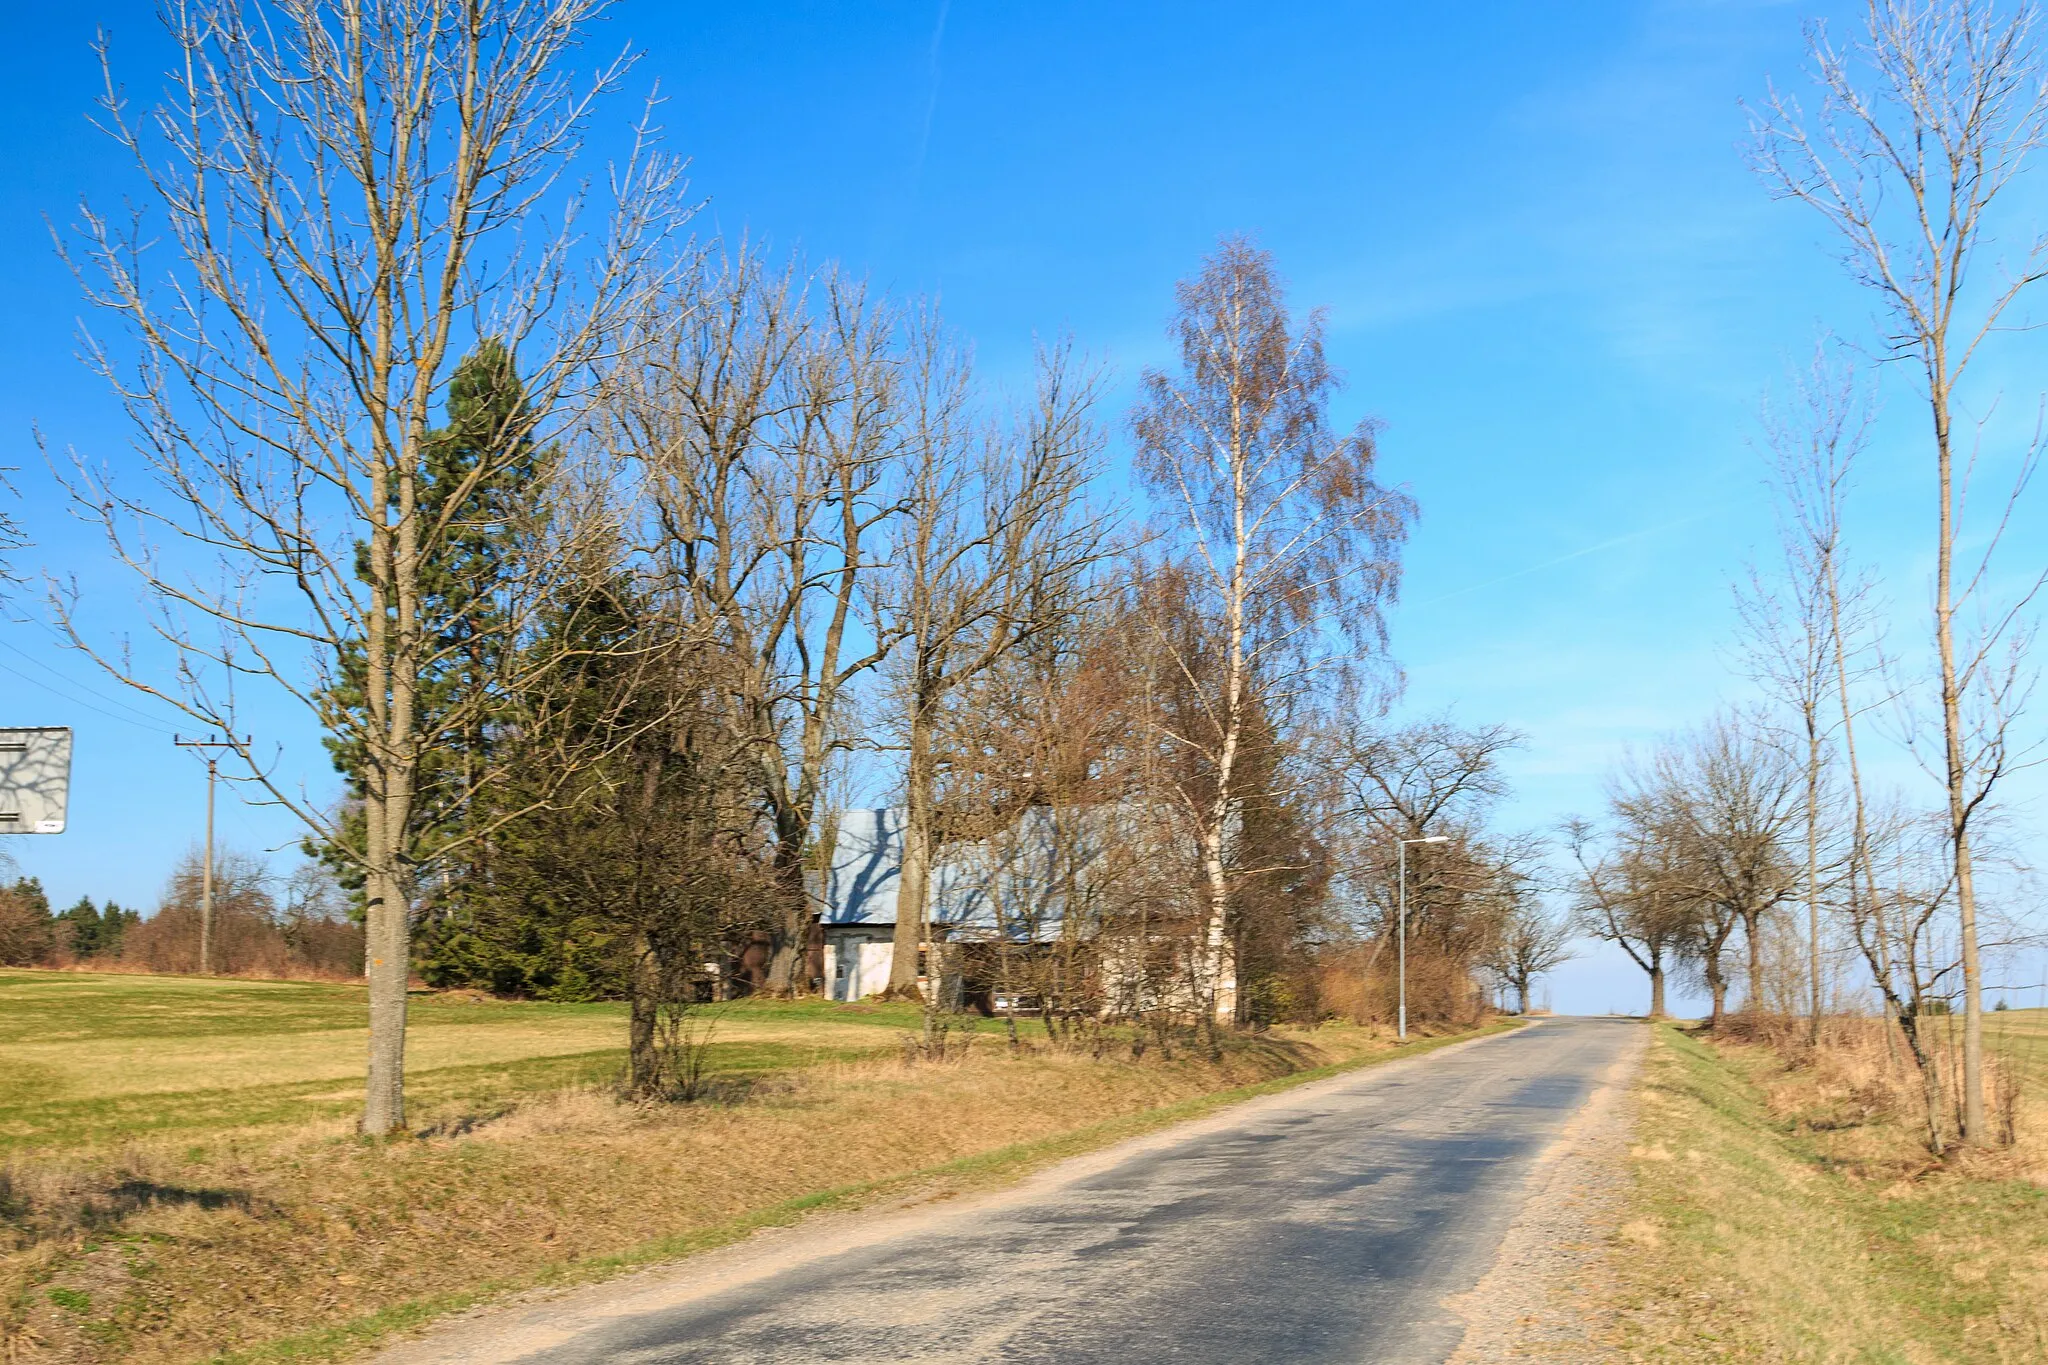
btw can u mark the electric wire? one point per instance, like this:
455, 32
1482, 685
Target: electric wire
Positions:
125, 720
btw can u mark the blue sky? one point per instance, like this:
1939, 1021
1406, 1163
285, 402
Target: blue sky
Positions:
1546, 268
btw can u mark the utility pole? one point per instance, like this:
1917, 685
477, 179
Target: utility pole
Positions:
206, 876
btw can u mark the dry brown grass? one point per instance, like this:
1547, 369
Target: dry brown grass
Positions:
1786, 1208
1860, 1088
165, 1251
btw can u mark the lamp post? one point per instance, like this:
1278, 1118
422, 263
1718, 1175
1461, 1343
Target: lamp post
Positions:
1401, 879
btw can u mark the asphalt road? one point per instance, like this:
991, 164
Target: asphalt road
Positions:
1328, 1224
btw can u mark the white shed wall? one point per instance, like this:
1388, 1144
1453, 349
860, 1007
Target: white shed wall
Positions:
857, 965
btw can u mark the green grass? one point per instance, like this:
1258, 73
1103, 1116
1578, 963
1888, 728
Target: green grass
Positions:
1760, 1236
99, 1058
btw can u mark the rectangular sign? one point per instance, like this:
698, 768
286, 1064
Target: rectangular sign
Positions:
35, 778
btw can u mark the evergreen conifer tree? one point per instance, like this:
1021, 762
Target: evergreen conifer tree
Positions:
81, 929
483, 493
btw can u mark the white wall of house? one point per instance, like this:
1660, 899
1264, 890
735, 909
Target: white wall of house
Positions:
857, 963
1127, 989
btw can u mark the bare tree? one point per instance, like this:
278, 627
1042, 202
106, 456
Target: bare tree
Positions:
1924, 125
1405, 780
11, 536
662, 850
1701, 831
1631, 898
349, 192
1901, 930
1530, 939
994, 539
1042, 761
1399, 782
1288, 543
767, 421
1822, 645
1725, 798
1792, 620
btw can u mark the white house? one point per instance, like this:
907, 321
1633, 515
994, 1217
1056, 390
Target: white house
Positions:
1011, 886
856, 896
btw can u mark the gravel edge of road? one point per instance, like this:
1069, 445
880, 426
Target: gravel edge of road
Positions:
1541, 1298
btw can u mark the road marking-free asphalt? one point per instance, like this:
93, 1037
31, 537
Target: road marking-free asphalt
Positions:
1324, 1224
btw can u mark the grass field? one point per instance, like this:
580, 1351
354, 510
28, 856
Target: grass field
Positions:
2020, 1037
180, 1179
1782, 1213
104, 1058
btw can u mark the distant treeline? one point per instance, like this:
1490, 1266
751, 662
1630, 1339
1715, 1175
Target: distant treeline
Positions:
298, 929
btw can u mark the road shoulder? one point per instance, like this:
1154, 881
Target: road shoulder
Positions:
1542, 1298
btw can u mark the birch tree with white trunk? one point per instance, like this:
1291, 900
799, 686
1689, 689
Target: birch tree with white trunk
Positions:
1283, 535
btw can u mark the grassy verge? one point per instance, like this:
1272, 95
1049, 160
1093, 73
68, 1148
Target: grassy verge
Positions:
1785, 1213
231, 1211
980, 1171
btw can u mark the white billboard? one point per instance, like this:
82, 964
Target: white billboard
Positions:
35, 778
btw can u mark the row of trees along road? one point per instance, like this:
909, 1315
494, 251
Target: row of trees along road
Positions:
607, 557
1914, 156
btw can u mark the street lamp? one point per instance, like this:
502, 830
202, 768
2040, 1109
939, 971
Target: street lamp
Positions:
1401, 859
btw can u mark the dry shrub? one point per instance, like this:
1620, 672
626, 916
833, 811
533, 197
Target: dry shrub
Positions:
26, 939
245, 943
1359, 984
1861, 1079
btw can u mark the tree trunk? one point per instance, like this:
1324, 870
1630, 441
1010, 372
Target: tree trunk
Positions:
387, 963
1974, 1130
792, 934
786, 959
643, 1067
913, 886
1657, 991
1813, 874
1717, 984
1755, 1004
1210, 971
1234, 681
392, 672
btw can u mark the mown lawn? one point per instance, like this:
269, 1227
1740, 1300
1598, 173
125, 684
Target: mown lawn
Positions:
91, 1059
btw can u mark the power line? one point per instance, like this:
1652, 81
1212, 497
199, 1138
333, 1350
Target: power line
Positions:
143, 717
65, 696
